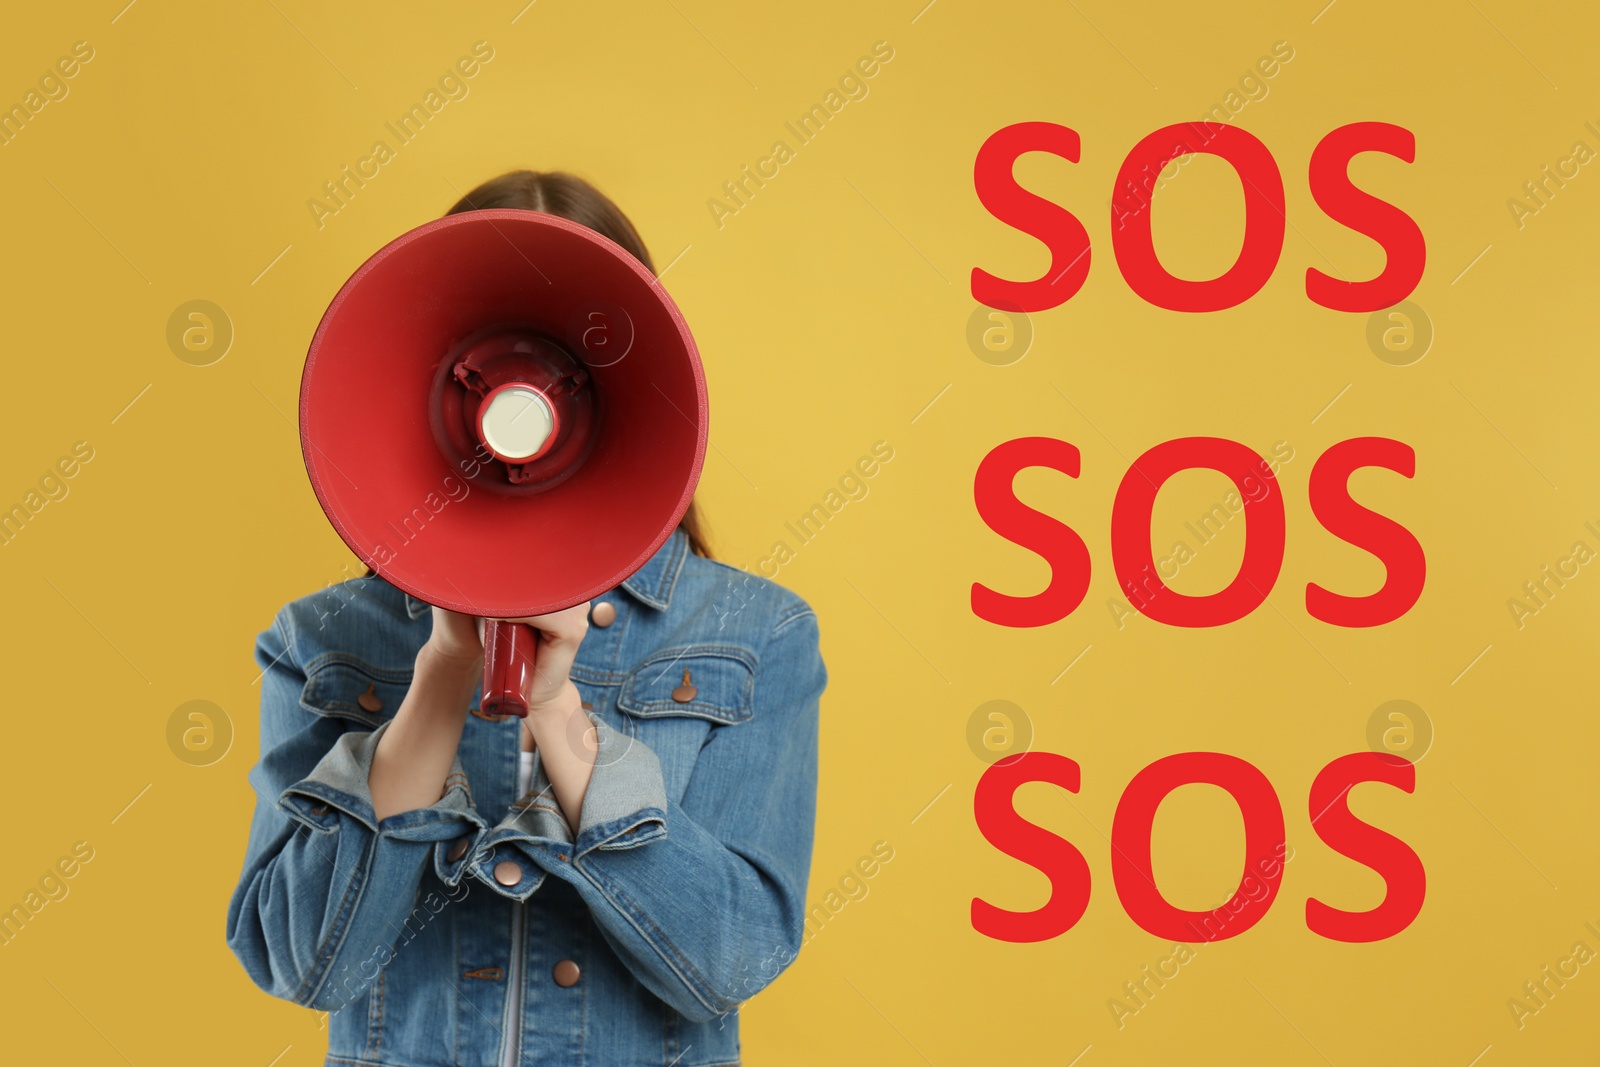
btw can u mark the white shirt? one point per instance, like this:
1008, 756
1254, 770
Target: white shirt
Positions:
524, 773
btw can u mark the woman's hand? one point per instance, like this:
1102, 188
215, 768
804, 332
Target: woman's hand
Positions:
557, 724
458, 639
414, 755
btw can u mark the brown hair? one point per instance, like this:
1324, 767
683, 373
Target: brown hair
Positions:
558, 193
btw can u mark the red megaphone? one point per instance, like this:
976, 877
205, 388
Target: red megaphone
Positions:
503, 414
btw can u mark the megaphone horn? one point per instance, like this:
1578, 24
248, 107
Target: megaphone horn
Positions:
504, 414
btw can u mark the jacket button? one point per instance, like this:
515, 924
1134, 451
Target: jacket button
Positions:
370, 700
685, 692
566, 974
320, 809
507, 872
459, 849
603, 614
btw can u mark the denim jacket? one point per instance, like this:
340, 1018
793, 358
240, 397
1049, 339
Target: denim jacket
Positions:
481, 930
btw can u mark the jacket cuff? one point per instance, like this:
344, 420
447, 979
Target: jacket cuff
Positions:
337, 787
625, 805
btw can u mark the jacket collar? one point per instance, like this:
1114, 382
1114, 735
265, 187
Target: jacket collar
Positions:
651, 585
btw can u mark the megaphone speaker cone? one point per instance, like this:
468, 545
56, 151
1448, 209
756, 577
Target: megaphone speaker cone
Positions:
503, 413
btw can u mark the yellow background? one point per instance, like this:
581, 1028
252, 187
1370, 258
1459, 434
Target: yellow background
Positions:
830, 311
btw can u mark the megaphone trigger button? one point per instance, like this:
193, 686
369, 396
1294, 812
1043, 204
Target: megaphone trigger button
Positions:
370, 701
603, 614
685, 692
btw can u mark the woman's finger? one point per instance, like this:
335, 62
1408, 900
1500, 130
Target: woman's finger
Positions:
569, 624
456, 636
560, 634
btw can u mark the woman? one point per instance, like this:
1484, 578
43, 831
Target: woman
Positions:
616, 901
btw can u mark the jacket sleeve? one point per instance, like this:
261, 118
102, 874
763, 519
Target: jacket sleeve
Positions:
704, 901
326, 889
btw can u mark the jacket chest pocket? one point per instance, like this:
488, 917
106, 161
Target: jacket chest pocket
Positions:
674, 699
342, 686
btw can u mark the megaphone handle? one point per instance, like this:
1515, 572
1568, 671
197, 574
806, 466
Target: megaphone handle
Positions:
508, 654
